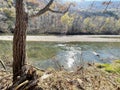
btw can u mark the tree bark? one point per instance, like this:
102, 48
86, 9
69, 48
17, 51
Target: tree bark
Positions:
19, 40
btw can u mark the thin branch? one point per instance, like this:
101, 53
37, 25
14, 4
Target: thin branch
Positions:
31, 84
107, 5
62, 12
46, 8
118, 6
2, 63
91, 6
23, 83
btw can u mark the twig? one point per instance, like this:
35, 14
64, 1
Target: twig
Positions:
107, 5
19, 81
31, 84
25, 82
4, 66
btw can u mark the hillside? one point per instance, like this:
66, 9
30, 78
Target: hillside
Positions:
97, 5
80, 19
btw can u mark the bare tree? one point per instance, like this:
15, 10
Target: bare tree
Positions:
107, 3
19, 40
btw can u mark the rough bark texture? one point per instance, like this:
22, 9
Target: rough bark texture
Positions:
19, 40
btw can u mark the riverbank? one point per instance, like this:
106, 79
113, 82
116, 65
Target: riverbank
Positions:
74, 38
91, 78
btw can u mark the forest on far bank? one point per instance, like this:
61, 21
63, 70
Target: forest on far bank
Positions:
86, 18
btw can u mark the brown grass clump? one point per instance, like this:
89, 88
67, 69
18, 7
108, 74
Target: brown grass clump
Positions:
90, 78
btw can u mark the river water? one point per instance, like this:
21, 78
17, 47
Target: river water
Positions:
71, 55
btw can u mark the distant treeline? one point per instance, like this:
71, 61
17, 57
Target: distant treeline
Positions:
73, 22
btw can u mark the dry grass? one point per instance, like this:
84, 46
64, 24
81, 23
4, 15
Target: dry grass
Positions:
90, 78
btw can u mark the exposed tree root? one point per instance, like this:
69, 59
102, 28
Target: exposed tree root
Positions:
27, 80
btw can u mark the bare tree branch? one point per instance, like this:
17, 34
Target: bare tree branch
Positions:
2, 63
92, 5
62, 12
46, 8
107, 3
118, 6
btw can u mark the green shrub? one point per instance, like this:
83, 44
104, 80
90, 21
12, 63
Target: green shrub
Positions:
103, 65
111, 68
117, 61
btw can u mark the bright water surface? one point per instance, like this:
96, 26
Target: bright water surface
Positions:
71, 55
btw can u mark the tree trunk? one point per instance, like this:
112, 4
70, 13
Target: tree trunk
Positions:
19, 40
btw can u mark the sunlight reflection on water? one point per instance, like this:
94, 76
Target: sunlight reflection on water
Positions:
72, 56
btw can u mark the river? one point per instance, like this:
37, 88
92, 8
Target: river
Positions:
71, 55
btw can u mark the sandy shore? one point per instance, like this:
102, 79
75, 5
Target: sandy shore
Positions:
76, 38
